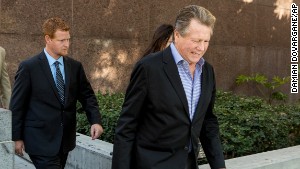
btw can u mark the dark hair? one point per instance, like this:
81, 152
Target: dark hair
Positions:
160, 38
51, 25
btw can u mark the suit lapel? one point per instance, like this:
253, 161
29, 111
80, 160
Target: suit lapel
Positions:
67, 78
171, 70
46, 69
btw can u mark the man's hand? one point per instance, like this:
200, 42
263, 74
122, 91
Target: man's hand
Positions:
96, 131
19, 147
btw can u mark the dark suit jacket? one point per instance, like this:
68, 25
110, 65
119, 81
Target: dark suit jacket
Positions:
38, 118
154, 128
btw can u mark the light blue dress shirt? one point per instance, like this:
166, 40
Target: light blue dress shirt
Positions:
52, 61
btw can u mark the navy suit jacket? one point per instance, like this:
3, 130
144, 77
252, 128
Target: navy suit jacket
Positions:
38, 118
154, 128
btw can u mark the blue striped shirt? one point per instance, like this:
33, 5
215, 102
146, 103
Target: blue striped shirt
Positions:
192, 86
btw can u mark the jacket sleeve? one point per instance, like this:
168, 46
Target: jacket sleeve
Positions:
129, 118
19, 101
88, 99
209, 135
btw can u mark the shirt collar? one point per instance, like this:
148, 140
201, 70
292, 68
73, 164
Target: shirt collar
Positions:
51, 60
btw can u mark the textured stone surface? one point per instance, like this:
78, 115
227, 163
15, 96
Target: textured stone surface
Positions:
111, 58
26, 17
5, 125
7, 155
115, 19
90, 154
96, 154
108, 36
21, 163
6, 145
287, 158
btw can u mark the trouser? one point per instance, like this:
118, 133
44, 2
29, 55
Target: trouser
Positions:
191, 161
50, 162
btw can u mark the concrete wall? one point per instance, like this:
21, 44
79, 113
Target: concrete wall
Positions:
96, 154
90, 154
6, 145
287, 158
108, 36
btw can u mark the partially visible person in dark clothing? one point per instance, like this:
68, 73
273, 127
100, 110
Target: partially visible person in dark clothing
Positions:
162, 38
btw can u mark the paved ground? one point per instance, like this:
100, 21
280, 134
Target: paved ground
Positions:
21, 163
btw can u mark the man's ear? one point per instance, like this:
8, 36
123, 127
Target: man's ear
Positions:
176, 35
47, 38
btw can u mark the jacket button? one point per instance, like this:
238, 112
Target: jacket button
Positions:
186, 148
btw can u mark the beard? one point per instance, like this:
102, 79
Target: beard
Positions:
63, 52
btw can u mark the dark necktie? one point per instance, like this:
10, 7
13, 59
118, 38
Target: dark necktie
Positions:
60, 83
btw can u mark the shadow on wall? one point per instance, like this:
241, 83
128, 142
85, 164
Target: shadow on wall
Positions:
251, 36
109, 38
111, 63
113, 59
110, 44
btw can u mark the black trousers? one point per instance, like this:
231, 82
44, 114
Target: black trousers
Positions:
50, 162
191, 161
